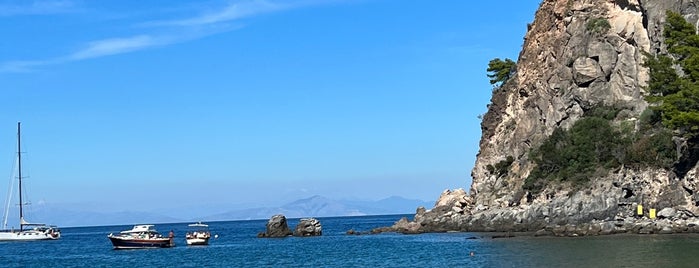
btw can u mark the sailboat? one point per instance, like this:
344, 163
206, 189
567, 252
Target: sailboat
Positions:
27, 231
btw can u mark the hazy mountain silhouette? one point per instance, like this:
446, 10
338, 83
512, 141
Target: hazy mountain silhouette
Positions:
315, 206
320, 206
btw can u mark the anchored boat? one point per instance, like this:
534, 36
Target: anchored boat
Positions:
199, 235
27, 231
141, 236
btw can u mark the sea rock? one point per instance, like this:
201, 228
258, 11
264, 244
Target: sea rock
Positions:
646, 228
542, 232
308, 227
276, 227
406, 227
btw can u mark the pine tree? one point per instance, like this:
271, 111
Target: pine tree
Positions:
676, 97
501, 71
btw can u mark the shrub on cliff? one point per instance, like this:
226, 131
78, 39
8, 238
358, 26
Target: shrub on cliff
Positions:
502, 167
598, 25
594, 144
652, 149
574, 155
500, 71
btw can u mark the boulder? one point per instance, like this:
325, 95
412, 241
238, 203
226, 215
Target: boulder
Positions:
308, 227
666, 230
542, 232
668, 213
407, 227
276, 227
606, 54
449, 197
607, 228
586, 70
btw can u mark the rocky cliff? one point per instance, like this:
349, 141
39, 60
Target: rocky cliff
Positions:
577, 54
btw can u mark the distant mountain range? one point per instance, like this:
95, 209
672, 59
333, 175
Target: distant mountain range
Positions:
315, 206
320, 206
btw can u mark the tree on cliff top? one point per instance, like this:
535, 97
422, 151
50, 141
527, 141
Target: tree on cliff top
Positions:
501, 71
675, 97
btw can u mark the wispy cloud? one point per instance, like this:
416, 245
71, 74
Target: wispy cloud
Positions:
116, 46
44, 7
94, 49
21, 66
230, 12
236, 10
207, 23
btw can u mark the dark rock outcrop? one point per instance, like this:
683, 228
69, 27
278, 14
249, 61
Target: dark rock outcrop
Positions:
276, 227
308, 227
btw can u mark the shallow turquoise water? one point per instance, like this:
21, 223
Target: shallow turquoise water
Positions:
238, 246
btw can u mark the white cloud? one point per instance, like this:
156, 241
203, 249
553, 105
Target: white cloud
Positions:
192, 28
230, 12
236, 10
94, 49
115, 46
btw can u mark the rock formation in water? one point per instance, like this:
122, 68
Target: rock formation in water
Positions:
276, 227
308, 227
569, 64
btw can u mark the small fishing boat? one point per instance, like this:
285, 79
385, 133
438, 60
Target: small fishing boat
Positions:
141, 236
199, 234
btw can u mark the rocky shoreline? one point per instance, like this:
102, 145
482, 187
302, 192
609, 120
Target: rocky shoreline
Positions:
452, 213
622, 226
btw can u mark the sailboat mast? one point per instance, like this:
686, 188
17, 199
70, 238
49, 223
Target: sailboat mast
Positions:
19, 173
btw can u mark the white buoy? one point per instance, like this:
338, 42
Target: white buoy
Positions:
215, 236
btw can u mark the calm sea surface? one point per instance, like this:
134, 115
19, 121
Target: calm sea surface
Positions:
238, 246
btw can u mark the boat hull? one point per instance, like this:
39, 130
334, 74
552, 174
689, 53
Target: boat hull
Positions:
197, 241
120, 243
27, 236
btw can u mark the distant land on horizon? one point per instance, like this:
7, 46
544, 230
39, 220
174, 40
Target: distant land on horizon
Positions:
315, 206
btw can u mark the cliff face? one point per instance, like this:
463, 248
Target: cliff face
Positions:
566, 67
570, 63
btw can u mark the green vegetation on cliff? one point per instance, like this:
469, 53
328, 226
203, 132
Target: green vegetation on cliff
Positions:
595, 144
502, 167
599, 141
676, 97
500, 71
598, 25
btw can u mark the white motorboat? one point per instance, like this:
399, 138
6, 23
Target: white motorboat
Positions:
199, 234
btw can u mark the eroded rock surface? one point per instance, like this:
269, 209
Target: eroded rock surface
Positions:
276, 227
308, 227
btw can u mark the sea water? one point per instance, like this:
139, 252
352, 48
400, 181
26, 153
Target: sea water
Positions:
237, 245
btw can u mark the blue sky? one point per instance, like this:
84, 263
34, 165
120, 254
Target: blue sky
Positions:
125, 103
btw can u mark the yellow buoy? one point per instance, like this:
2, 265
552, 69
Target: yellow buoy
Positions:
652, 213
639, 210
